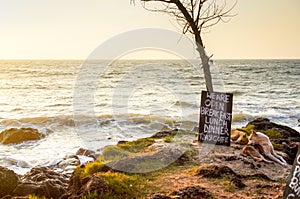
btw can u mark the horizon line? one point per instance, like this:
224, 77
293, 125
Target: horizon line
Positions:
133, 59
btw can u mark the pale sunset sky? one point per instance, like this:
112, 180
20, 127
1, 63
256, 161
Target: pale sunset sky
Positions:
72, 29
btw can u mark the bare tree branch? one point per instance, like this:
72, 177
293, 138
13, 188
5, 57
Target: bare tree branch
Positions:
193, 13
194, 16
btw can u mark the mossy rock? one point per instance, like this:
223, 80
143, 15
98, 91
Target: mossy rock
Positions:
110, 185
91, 168
264, 124
277, 147
124, 149
164, 134
113, 153
272, 133
136, 145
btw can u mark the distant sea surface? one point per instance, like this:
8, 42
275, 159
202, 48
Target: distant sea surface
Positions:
77, 104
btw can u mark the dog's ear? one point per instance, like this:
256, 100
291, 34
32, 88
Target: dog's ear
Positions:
253, 132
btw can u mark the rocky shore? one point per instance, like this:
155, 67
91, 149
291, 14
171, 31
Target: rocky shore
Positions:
170, 164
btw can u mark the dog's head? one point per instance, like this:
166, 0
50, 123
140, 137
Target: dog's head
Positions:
243, 139
252, 137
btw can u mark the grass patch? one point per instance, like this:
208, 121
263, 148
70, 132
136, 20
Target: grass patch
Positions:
127, 149
228, 187
121, 185
277, 147
272, 134
136, 145
89, 169
33, 196
113, 153
225, 183
93, 195
168, 139
92, 168
281, 180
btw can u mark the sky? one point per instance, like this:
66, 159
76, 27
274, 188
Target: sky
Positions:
72, 29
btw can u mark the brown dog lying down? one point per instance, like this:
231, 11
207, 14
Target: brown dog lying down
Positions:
264, 146
254, 153
239, 137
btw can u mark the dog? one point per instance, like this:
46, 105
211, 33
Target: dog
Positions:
254, 153
239, 137
266, 147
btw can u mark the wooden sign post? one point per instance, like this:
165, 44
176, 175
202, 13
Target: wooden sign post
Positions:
292, 188
215, 118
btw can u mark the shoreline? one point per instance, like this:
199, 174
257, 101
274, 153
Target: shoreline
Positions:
192, 170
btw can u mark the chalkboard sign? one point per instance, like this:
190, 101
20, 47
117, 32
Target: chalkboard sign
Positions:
215, 118
292, 188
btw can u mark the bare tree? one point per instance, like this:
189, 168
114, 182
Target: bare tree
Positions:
194, 16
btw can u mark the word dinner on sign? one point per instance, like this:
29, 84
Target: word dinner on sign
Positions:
215, 118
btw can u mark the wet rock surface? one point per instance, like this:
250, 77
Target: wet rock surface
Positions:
41, 181
51, 181
86, 152
67, 165
285, 131
15, 136
8, 181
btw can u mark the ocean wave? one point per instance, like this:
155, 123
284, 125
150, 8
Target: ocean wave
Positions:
62, 120
59, 105
17, 162
186, 104
236, 92
72, 121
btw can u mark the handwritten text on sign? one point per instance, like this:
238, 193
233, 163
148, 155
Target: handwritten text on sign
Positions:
292, 189
215, 118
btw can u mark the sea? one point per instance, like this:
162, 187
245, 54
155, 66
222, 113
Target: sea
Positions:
92, 104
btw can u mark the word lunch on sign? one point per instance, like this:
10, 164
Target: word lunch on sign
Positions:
215, 118
292, 189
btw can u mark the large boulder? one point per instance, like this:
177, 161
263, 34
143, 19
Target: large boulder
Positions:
266, 124
15, 135
78, 188
8, 181
148, 162
42, 181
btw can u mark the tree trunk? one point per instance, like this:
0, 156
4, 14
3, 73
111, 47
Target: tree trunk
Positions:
205, 64
199, 43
